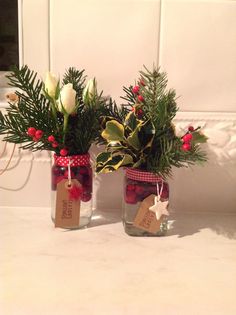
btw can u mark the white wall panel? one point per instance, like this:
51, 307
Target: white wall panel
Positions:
198, 50
35, 39
110, 39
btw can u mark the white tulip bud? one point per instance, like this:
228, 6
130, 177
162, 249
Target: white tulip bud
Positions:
51, 83
90, 90
67, 100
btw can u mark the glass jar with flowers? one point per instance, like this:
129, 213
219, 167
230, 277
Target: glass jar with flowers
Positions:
144, 142
61, 117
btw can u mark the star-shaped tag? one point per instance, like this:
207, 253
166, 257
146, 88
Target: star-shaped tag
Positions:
159, 207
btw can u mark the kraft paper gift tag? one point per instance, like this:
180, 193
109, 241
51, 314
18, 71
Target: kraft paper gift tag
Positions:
67, 209
145, 218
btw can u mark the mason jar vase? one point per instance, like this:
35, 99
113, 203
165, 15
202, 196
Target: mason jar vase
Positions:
138, 185
81, 170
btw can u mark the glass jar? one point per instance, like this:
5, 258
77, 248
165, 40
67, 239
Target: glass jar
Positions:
138, 185
80, 169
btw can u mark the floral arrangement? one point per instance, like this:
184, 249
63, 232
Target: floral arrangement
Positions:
146, 139
62, 117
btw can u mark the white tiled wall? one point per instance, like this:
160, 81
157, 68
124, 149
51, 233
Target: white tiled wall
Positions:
198, 50
194, 41
111, 39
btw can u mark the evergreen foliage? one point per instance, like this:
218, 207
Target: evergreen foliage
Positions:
35, 108
147, 138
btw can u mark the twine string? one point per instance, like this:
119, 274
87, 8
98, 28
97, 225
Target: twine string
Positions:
69, 171
159, 191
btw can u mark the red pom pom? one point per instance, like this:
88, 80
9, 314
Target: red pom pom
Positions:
38, 134
186, 147
51, 138
187, 138
140, 98
190, 128
54, 144
135, 89
75, 192
31, 131
63, 152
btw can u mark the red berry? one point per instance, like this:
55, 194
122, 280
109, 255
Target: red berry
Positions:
58, 179
35, 139
130, 187
190, 128
31, 131
54, 144
83, 171
130, 197
142, 82
86, 196
63, 152
186, 147
38, 134
140, 112
140, 98
187, 138
51, 138
139, 190
135, 89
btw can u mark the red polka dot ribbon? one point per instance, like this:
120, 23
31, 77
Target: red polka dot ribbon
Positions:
75, 160
142, 176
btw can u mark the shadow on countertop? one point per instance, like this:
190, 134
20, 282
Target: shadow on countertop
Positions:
186, 224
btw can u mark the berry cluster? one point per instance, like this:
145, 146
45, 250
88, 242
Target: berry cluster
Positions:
187, 138
139, 97
35, 134
137, 191
136, 91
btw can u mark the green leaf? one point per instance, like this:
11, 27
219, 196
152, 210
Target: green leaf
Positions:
198, 137
114, 163
114, 131
133, 139
103, 157
131, 121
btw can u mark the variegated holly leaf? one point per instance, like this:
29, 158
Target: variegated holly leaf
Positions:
114, 131
133, 139
103, 158
115, 146
131, 121
114, 163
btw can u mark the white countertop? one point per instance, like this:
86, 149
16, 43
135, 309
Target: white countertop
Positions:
103, 271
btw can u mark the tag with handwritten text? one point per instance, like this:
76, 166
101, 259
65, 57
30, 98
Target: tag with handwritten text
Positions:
67, 209
146, 219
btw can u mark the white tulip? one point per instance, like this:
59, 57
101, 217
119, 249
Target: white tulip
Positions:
67, 100
51, 83
90, 90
